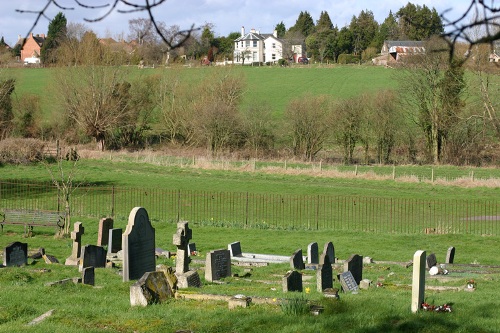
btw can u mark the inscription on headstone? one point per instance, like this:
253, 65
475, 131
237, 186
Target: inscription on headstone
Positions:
218, 265
347, 282
188, 279
138, 243
92, 256
115, 240
418, 281
15, 254
355, 265
105, 224
330, 251
450, 255
292, 281
297, 261
312, 253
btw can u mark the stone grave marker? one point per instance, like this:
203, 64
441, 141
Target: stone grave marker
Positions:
418, 281
312, 253
185, 277
297, 261
76, 236
138, 244
330, 251
192, 249
431, 260
105, 224
355, 265
324, 274
92, 256
188, 279
151, 288
450, 255
115, 240
235, 249
88, 275
292, 281
15, 254
348, 282
218, 265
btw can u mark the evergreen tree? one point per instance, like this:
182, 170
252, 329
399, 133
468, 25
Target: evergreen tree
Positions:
324, 22
304, 24
363, 28
55, 36
418, 22
388, 30
280, 29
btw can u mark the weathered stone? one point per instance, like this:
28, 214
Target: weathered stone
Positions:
169, 274
15, 254
76, 236
292, 281
151, 288
181, 240
365, 284
188, 279
105, 224
239, 301
49, 259
218, 265
348, 282
418, 281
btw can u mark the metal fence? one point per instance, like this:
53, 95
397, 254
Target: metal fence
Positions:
274, 211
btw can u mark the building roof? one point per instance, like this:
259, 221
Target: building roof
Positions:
404, 43
250, 36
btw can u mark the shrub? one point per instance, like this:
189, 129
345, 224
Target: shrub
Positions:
295, 306
348, 59
21, 151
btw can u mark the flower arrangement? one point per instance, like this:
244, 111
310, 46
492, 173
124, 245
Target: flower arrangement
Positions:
471, 284
434, 308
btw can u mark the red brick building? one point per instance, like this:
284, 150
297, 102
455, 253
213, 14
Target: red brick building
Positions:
30, 47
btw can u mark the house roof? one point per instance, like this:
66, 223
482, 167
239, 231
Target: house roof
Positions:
404, 43
250, 36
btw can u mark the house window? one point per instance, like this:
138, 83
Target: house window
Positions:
273, 56
254, 43
241, 43
255, 58
274, 45
247, 43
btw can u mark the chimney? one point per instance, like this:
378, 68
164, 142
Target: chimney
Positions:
18, 37
275, 33
252, 30
31, 35
242, 31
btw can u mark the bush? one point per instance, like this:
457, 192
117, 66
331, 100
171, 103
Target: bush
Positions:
282, 62
348, 59
21, 151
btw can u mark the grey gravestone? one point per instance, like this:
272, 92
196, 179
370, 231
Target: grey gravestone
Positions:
138, 243
105, 224
181, 240
292, 281
115, 240
347, 282
235, 249
218, 265
355, 265
92, 256
418, 281
191, 249
297, 261
76, 236
15, 254
312, 253
324, 274
151, 288
88, 275
188, 279
450, 255
330, 251
431, 260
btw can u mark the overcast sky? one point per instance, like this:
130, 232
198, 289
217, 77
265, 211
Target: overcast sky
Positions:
226, 15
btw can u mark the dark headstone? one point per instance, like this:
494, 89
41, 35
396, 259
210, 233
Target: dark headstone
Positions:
292, 281
49, 259
235, 249
88, 276
330, 251
192, 249
312, 253
324, 274
355, 265
151, 288
297, 261
15, 254
450, 255
138, 243
105, 224
347, 282
218, 265
92, 256
115, 240
188, 279
431, 260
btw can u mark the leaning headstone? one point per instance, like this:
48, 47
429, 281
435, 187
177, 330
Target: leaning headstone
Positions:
115, 240
450, 255
92, 256
105, 224
235, 249
49, 259
347, 282
324, 274
355, 265
312, 253
88, 276
330, 251
15, 254
431, 261
151, 288
138, 243
297, 261
76, 236
292, 281
218, 265
418, 281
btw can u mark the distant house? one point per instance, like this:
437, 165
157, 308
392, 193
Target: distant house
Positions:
394, 51
31, 46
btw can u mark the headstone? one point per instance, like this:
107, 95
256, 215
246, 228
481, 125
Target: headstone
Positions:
297, 261
188, 279
151, 288
292, 281
15, 254
330, 251
218, 265
355, 265
138, 243
159, 252
431, 261
312, 253
418, 281
115, 240
239, 301
181, 240
105, 224
324, 274
49, 259
347, 282
92, 256
192, 249
169, 274
88, 276
365, 284
235, 249
450, 255
76, 236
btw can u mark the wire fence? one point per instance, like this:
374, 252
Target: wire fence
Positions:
267, 211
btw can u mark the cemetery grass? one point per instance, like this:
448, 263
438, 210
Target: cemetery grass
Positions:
106, 306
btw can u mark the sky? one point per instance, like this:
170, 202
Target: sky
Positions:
226, 15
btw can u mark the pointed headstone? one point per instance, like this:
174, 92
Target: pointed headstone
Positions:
324, 274
105, 224
330, 251
418, 281
355, 265
450, 255
312, 253
292, 281
297, 261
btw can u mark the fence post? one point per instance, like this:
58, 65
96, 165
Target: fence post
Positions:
317, 213
393, 172
432, 176
178, 205
246, 212
113, 201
